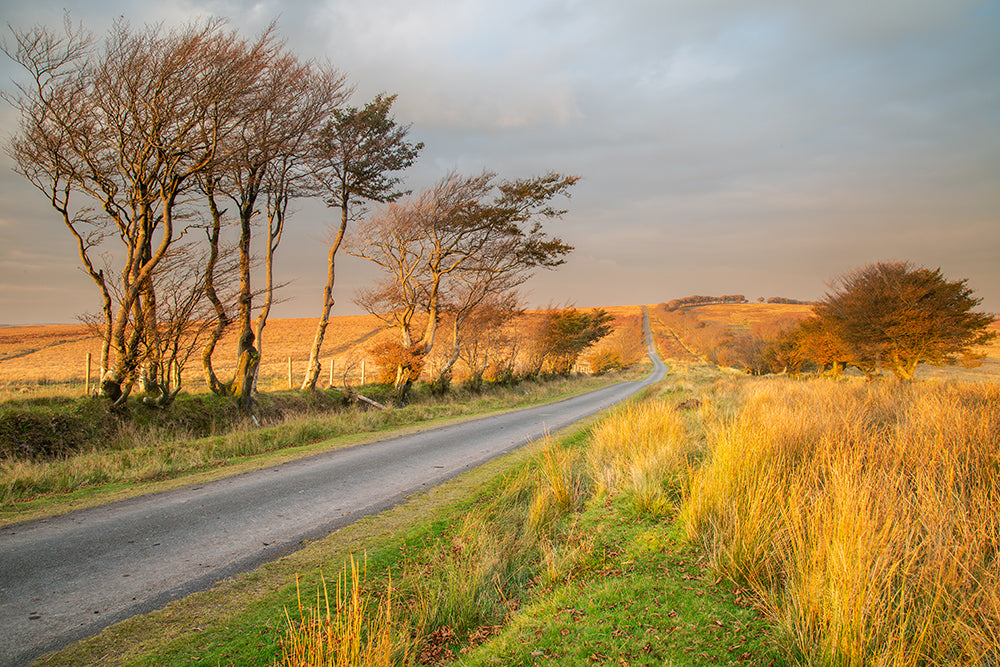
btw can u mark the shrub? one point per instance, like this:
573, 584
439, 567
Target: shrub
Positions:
398, 364
605, 361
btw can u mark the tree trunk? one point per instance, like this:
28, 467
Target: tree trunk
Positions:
443, 380
246, 372
313, 368
904, 369
275, 226
222, 318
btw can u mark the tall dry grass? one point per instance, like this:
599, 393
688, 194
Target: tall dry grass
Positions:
350, 634
643, 451
864, 516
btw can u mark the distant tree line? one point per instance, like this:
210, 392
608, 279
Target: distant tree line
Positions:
785, 300
698, 300
172, 157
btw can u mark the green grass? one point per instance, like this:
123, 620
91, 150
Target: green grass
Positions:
478, 574
637, 596
151, 453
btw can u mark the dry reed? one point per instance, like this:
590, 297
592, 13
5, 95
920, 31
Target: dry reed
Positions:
643, 451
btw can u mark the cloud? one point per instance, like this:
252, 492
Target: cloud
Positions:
724, 146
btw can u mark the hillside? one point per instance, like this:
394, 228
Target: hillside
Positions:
56, 354
687, 332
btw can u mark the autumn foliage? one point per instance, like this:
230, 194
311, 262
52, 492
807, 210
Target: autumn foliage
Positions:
900, 315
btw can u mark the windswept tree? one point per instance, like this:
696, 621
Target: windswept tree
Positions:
454, 246
898, 315
357, 156
264, 162
565, 333
114, 137
503, 261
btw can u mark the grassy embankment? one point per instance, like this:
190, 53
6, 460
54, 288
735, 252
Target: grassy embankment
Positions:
860, 517
100, 456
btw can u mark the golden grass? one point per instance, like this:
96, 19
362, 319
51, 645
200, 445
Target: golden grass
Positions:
348, 635
864, 516
558, 486
642, 450
746, 314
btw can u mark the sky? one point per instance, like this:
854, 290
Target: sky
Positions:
756, 147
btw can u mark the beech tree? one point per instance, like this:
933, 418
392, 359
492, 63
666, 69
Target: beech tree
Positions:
898, 315
355, 157
454, 246
264, 163
114, 137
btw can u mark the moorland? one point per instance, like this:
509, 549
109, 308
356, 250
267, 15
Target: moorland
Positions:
720, 518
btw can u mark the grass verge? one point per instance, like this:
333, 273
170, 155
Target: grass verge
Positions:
142, 461
529, 558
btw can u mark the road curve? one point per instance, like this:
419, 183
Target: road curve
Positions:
68, 577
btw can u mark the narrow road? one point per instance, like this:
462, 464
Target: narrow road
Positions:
67, 577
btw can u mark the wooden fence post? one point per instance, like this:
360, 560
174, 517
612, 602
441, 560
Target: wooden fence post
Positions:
289, 372
86, 390
362, 372
331, 373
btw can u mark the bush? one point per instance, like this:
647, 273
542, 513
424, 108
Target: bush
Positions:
605, 361
391, 356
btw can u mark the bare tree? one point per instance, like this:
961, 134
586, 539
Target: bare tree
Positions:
454, 246
412, 243
505, 260
185, 315
122, 130
486, 341
356, 154
263, 160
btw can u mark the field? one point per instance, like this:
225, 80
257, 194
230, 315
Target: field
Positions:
39, 355
745, 315
51, 359
718, 519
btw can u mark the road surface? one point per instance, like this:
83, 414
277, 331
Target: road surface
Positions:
67, 577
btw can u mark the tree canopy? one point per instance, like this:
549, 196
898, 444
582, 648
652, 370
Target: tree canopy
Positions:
567, 333
898, 315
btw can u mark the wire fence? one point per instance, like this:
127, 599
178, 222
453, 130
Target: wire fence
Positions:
272, 376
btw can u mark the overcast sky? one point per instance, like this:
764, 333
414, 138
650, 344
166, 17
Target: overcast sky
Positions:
759, 147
